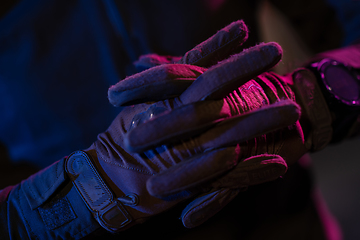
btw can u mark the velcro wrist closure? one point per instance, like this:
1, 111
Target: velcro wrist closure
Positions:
108, 211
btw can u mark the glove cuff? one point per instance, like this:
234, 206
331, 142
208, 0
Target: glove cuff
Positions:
315, 109
108, 211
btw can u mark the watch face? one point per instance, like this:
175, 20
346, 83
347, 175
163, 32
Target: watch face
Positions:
341, 81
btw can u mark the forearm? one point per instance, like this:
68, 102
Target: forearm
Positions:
349, 55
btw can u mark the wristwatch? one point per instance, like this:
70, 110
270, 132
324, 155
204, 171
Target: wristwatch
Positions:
340, 86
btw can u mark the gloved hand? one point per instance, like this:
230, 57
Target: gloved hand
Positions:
120, 198
110, 181
249, 110
228, 178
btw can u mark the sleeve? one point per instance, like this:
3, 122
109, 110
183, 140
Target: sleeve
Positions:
349, 55
45, 206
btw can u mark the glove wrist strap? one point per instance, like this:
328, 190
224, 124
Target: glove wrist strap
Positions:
109, 212
315, 107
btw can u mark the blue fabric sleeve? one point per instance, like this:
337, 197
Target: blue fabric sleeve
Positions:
46, 206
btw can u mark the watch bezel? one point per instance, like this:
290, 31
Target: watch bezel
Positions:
321, 67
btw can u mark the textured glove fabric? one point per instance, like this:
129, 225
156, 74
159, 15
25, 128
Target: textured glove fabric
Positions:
256, 107
239, 117
75, 196
109, 183
127, 173
258, 155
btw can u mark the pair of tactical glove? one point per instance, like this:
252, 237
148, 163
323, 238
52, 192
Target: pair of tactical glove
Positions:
202, 127
205, 127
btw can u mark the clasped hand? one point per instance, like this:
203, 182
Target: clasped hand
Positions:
204, 128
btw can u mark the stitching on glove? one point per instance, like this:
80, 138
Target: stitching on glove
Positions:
103, 145
128, 168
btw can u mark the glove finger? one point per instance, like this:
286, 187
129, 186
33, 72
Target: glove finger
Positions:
198, 171
252, 124
180, 123
226, 76
192, 173
252, 171
218, 47
154, 84
187, 121
206, 206
152, 60
158, 85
